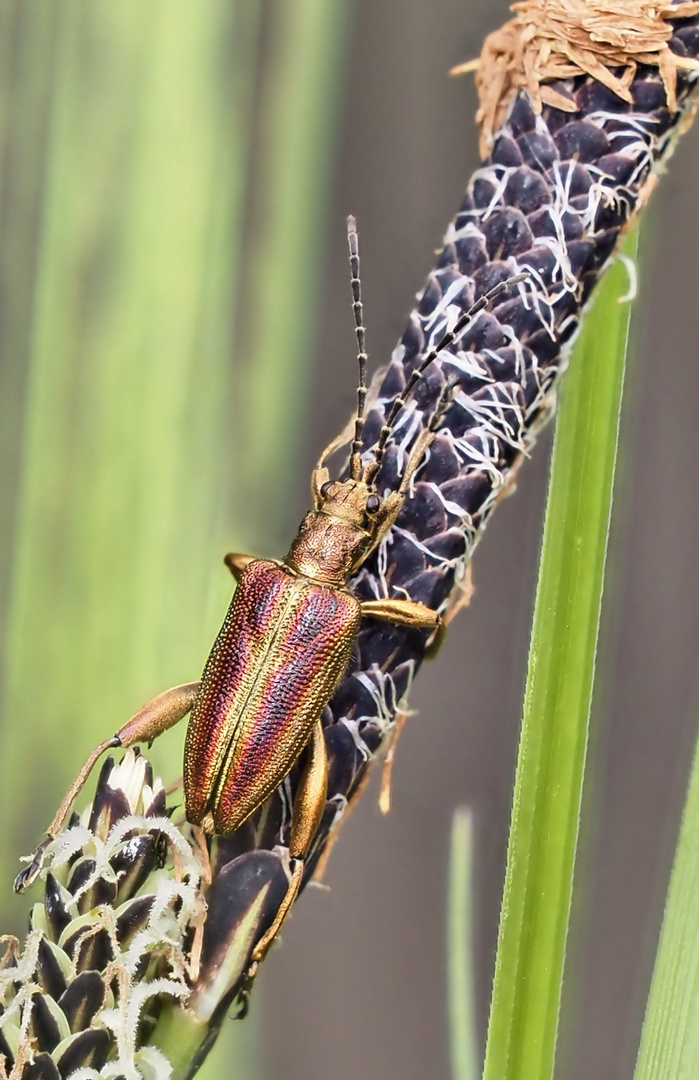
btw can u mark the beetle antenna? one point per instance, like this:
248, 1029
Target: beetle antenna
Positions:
356, 285
444, 342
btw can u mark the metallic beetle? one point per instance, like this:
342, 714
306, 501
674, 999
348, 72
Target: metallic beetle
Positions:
284, 645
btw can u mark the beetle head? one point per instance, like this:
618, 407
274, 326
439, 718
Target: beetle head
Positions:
348, 520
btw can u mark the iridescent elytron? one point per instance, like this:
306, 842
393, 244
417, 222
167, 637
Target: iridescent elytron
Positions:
285, 644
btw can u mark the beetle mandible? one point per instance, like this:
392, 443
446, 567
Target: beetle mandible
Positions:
286, 642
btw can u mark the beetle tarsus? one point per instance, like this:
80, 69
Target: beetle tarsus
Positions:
437, 640
242, 999
28, 876
263, 945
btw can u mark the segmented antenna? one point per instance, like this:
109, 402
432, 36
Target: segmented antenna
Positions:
444, 342
356, 285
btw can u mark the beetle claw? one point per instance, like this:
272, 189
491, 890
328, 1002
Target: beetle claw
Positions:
243, 996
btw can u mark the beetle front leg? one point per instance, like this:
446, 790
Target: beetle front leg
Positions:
305, 819
156, 716
409, 613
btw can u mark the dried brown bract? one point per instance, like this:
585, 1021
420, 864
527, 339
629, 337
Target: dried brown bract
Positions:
550, 40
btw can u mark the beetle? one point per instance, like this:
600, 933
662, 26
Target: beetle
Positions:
285, 643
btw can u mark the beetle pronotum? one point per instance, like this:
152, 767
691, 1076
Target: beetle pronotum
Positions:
285, 644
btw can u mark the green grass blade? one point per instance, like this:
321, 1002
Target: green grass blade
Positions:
670, 1037
460, 995
548, 786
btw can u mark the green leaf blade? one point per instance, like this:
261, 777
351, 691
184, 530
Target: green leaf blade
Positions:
670, 1037
548, 786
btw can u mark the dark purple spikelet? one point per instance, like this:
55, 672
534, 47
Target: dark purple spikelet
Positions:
106, 950
551, 198
137, 948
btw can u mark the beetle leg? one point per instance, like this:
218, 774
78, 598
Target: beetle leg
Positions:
393, 502
310, 795
308, 810
342, 439
436, 641
237, 563
415, 459
402, 613
409, 613
320, 474
156, 716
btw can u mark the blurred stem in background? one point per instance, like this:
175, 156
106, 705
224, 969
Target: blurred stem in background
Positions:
670, 1037
126, 144
460, 959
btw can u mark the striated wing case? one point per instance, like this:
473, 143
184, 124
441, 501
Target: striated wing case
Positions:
283, 647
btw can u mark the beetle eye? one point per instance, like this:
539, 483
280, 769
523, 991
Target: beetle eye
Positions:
372, 504
325, 489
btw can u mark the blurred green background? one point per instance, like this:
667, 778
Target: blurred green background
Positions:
133, 135
176, 346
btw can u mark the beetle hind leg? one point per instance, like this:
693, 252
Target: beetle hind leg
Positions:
306, 814
159, 714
